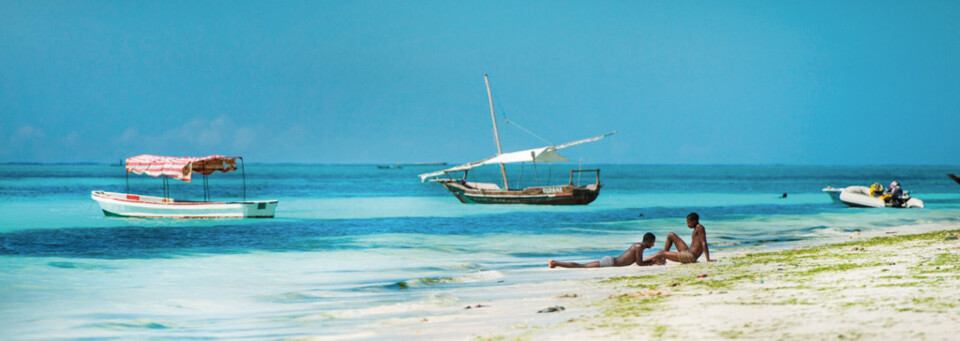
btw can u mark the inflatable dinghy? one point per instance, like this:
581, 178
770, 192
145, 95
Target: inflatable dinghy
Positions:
859, 196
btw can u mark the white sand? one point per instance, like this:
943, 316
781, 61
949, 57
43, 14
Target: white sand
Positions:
889, 292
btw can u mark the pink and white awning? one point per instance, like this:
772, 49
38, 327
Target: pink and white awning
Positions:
180, 168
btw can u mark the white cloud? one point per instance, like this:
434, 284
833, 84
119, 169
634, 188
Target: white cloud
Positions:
71, 139
26, 134
244, 138
29, 143
198, 136
24, 144
129, 136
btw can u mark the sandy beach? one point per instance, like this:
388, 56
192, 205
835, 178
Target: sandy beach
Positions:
893, 284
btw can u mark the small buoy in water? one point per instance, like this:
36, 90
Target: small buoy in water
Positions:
784, 195
641, 215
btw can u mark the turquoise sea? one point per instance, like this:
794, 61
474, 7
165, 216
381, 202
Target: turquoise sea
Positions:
354, 245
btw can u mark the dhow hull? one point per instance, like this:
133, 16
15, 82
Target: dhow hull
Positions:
557, 195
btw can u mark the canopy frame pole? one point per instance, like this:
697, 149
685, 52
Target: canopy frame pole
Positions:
579, 168
535, 176
496, 134
203, 171
126, 175
519, 177
243, 173
549, 173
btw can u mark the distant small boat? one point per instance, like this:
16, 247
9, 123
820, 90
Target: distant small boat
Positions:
181, 168
415, 164
489, 193
396, 166
860, 196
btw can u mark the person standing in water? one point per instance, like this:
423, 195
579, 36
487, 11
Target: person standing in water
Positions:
633, 255
896, 194
685, 254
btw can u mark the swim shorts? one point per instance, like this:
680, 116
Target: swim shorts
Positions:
606, 261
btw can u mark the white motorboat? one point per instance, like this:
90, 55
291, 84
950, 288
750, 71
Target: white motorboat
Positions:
862, 196
181, 168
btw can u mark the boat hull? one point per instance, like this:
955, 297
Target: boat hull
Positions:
132, 205
554, 195
859, 196
834, 194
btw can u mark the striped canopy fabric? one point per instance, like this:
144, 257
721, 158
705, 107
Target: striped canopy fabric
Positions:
180, 168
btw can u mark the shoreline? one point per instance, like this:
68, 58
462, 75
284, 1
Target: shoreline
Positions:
873, 286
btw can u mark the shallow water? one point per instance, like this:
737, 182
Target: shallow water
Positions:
354, 244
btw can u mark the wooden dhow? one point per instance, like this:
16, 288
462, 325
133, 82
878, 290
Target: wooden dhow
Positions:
490, 193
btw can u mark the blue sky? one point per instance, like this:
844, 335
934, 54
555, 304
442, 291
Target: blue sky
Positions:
796, 82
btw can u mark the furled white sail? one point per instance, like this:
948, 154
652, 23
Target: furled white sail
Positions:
538, 155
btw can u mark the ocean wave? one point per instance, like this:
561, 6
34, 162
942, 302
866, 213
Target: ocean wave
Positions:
79, 265
132, 324
474, 277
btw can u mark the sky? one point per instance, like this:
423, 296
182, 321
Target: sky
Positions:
682, 82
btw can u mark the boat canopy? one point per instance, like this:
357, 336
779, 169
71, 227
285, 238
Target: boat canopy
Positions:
543, 154
180, 168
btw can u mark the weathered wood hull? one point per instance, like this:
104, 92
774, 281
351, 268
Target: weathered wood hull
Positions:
552, 195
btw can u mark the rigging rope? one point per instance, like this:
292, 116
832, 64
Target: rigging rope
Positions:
507, 120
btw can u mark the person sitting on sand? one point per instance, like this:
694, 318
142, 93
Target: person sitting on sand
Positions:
633, 255
685, 254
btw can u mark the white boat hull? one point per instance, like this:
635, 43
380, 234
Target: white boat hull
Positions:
834, 194
859, 196
132, 205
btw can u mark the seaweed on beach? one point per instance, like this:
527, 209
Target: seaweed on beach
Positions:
835, 278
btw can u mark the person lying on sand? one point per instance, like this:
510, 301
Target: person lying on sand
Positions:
633, 255
685, 254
